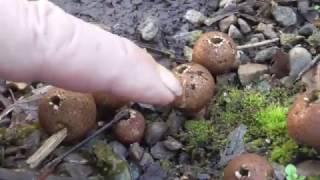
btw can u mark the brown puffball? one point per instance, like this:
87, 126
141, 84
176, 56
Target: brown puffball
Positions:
249, 167
75, 111
216, 51
104, 100
303, 119
198, 87
131, 129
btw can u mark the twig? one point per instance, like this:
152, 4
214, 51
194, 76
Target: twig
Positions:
48, 146
262, 43
315, 61
48, 168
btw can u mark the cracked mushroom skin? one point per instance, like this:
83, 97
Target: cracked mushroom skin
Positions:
75, 111
216, 51
249, 167
303, 119
130, 129
198, 87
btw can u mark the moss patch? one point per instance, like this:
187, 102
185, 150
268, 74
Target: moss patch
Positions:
265, 114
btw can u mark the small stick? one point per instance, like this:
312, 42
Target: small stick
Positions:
48, 168
315, 61
48, 146
253, 45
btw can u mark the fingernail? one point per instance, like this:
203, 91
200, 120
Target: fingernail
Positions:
170, 81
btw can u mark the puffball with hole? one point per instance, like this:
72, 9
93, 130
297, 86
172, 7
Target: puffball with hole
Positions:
75, 111
216, 51
198, 87
249, 166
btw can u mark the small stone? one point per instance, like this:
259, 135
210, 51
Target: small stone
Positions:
149, 28
236, 145
307, 29
285, 16
299, 58
314, 39
136, 2
265, 54
172, 144
267, 30
184, 158
194, 17
312, 78
175, 122
76, 158
225, 3
188, 37
146, 159
213, 4
135, 171
258, 36
155, 132
226, 79
159, 151
309, 168
242, 57
187, 52
251, 72
303, 6
119, 149
279, 171
287, 39
154, 172
244, 26
234, 32
135, 152
77, 171
203, 176
225, 23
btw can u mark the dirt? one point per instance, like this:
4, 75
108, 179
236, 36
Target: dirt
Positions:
123, 16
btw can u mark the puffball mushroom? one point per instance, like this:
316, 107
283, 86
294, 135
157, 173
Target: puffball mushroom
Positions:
131, 129
216, 51
75, 111
198, 87
249, 167
303, 119
104, 100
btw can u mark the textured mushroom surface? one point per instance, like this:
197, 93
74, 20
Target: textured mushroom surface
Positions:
249, 167
303, 119
216, 51
198, 87
130, 129
75, 111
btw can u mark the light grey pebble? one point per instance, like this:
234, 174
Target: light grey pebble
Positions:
299, 58
225, 23
146, 159
267, 30
136, 2
172, 144
159, 151
251, 72
149, 28
155, 131
307, 29
136, 151
189, 37
244, 26
194, 16
235, 33
284, 15
265, 55
119, 149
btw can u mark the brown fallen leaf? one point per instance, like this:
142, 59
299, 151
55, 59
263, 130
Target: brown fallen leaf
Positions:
281, 64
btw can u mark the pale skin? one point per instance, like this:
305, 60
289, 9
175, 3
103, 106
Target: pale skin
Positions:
41, 42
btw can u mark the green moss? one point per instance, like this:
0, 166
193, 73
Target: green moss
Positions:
17, 134
284, 153
109, 164
273, 119
199, 132
265, 115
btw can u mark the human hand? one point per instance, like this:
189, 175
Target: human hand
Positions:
41, 42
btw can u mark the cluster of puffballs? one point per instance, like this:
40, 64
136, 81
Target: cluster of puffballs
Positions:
214, 54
